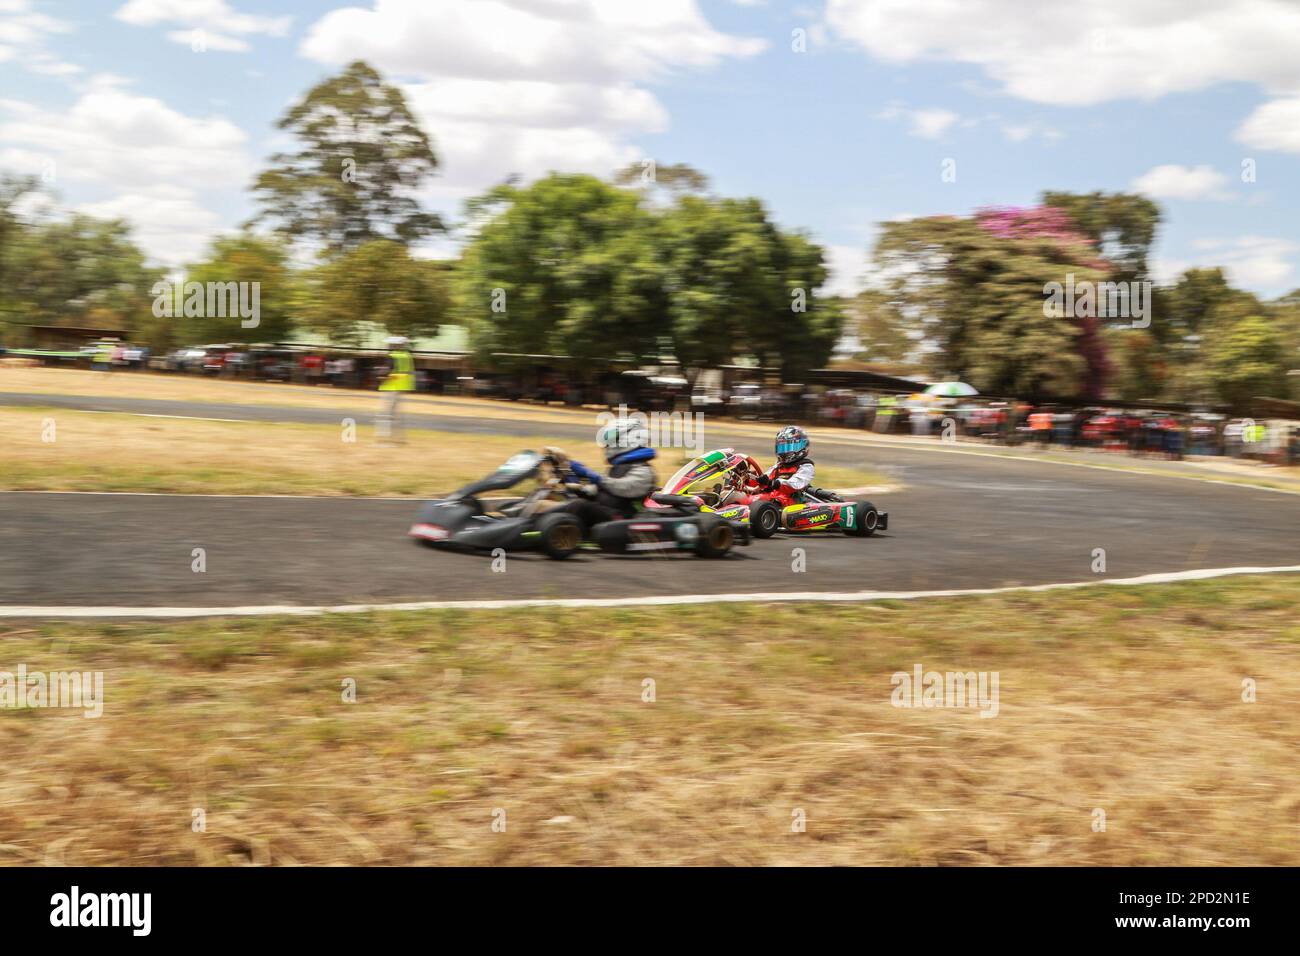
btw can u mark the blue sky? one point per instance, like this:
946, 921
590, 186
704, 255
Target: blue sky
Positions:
840, 113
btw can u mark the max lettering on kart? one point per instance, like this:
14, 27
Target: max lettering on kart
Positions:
731, 485
470, 520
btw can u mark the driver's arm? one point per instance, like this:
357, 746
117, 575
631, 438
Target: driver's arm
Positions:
802, 478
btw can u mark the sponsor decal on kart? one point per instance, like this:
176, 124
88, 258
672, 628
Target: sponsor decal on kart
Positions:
644, 526
651, 545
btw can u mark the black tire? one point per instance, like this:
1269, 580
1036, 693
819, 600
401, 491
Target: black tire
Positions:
764, 519
865, 520
561, 535
716, 537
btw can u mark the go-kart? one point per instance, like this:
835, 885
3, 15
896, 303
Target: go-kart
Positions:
724, 481
465, 520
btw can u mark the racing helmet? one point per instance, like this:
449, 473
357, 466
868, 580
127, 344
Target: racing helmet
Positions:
791, 445
623, 436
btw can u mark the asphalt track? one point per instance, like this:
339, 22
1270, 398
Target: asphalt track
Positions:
958, 521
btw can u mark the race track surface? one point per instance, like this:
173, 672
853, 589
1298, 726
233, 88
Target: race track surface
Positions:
958, 521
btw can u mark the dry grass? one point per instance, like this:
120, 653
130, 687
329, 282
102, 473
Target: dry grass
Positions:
111, 452
1127, 700
198, 388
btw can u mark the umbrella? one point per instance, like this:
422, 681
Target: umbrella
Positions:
951, 390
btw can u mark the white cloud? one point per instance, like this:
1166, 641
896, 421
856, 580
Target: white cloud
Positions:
23, 33
527, 86
1261, 263
1255, 262
1182, 182
1274, 125
113, 135
932, 123
167, 221
155, 158
208, 24
1080, 54
929, 123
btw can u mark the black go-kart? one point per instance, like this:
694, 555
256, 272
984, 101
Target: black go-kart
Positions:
469, 520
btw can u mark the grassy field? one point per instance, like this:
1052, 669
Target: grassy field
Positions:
1124, 700
111, 452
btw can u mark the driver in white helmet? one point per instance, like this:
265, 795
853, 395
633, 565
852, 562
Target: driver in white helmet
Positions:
631, 477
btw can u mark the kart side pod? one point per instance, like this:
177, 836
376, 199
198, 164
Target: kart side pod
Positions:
709, 536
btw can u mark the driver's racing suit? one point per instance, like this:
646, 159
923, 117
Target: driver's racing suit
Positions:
787, 483
618, 494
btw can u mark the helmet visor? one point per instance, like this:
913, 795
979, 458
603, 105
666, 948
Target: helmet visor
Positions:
790, 447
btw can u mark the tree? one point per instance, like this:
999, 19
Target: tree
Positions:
378, 283
1141, 371
566, 266
1121, 225
1246, 356
364, 156
78, 271
677, 178
12, 190
740, 287
245, 258
975, 290
879, 327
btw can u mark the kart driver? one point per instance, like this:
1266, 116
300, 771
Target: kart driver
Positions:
793, 472
631, 477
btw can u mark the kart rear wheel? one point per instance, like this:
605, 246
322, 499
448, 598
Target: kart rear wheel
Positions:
716, 538
561, 534
764, 519
865, 520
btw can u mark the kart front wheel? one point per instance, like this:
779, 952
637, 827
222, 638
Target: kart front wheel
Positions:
865, 520
716, 538
764, 519
561, 535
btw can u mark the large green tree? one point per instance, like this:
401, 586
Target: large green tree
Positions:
740, 287
974, 291
356, 176
250, 259
378, 283
1245, 352
78, 271
568, 265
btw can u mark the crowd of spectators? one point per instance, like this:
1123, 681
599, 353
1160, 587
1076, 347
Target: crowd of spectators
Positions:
1139, 432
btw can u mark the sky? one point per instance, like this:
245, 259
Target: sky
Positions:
839, 114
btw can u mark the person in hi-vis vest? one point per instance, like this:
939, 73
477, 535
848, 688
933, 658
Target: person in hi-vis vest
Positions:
400, 379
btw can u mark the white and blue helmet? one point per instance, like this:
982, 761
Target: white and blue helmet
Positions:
623, 436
